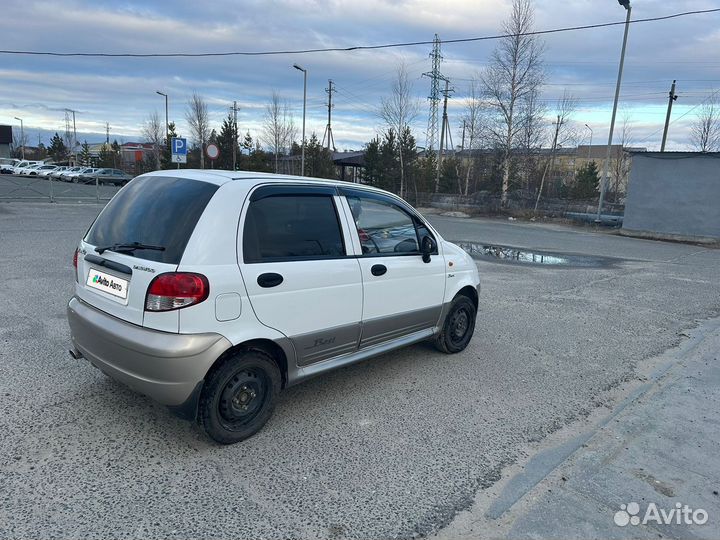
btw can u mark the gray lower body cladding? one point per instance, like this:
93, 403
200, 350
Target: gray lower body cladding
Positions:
164, 366
337, 341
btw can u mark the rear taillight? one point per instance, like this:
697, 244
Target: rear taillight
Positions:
75, 262
176, 290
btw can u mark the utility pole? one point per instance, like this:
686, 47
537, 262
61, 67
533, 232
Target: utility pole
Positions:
551, 164
302, 158
435, 77
462, 143
167, 124
606, 168
673, 97
445, 128
328, 128
107, 132
234, 110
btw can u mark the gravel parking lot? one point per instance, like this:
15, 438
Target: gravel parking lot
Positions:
393, 447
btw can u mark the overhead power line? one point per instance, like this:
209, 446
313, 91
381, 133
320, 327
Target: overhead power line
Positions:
353, 48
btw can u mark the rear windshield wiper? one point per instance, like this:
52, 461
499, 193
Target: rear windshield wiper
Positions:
131, 246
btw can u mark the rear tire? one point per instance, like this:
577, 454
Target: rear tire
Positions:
239, 396
459, 326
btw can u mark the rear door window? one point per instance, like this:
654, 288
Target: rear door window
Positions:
292, 227
153, 210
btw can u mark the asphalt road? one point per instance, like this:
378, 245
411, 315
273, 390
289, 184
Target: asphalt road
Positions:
393, 447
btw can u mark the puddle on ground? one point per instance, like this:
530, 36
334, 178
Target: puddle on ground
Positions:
531, 257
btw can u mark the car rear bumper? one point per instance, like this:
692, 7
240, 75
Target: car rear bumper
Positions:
164, 366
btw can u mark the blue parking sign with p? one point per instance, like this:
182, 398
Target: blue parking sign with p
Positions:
179, 146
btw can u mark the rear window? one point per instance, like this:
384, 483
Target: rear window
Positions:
153, 210
292, 227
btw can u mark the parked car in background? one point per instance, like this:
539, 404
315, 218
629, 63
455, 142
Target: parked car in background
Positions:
55, 175
66, 175
23, 165
7, 165
113, 176
84, 176
45, 170
31, 170
212, 291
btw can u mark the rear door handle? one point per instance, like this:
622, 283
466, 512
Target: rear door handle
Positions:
269, 279
378, 269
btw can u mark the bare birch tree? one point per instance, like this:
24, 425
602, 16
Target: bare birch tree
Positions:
705, 133
515, 71
19, 141
197, 118
279, 131
532, 135
398, 111
563, 132
620, 167
474, 118
153, 131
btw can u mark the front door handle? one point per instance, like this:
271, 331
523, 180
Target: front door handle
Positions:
378, 269
269, 279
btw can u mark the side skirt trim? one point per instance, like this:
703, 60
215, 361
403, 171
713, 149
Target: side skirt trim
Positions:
306, 372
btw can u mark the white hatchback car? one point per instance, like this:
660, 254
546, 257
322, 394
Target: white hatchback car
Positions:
212, 291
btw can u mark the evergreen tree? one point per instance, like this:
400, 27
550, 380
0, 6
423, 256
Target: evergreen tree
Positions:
58, 151
166, 157
106, 158
225, 141
586, 183
318, 160
409, 156
247, 143
259, 161
389, 162
450, 175
85, 156
373, 169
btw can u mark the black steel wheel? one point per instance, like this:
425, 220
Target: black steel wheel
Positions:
239, 396
459, 326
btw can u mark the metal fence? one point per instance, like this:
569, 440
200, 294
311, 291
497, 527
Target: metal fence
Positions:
45, 189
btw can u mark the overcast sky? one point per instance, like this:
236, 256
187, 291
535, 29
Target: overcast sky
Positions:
121, 91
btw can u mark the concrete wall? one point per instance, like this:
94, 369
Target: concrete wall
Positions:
674, 195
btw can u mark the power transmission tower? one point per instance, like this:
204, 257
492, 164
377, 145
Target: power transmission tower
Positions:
673, 97
68, 133
444, 133
234, 110
328, 129
431, 137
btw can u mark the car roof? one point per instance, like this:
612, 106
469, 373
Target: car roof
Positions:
220, 177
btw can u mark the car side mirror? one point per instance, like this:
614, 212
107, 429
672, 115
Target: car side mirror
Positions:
427, 246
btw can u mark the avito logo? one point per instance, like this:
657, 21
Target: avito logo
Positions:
105, 282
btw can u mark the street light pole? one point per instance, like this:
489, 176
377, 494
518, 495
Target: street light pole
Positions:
302, 159
167, 132
591, 138
22, 137
606, 168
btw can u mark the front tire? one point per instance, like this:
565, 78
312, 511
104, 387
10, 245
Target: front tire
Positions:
459, 326
239, 397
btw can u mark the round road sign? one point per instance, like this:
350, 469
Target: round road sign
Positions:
212, 151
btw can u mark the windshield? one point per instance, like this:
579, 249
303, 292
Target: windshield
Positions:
156, 211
